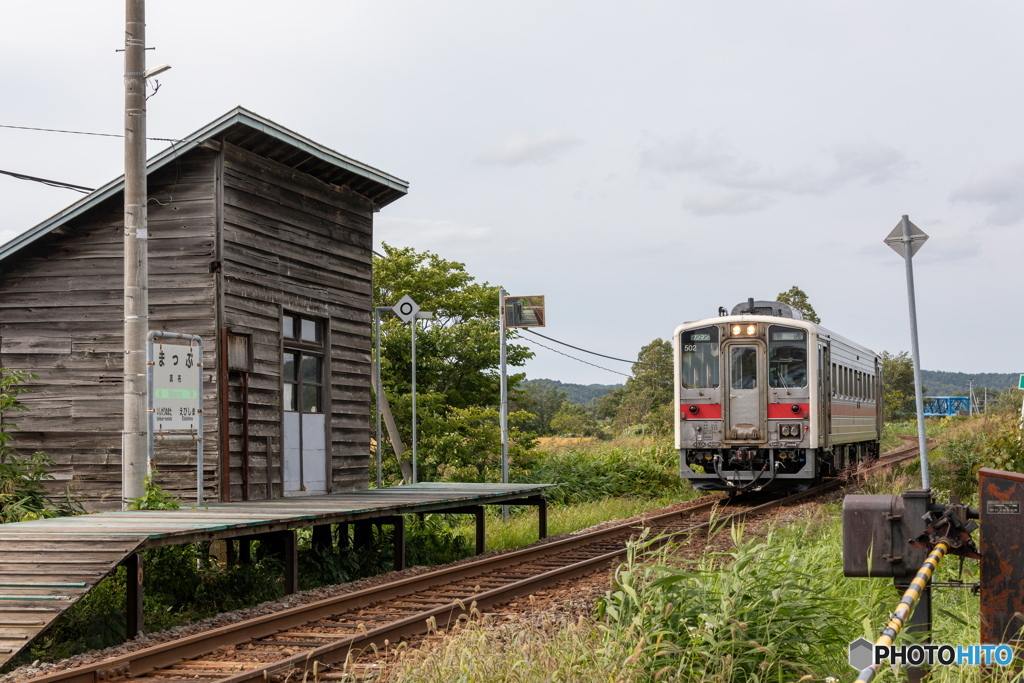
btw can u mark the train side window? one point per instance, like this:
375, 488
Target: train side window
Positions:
835, 381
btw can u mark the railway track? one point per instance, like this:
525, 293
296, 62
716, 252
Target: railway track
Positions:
311, 637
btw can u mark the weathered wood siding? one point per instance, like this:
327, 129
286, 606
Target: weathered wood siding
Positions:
61, 318
294, 244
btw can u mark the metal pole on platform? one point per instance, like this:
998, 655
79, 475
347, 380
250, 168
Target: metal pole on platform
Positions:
503, 406
415, 473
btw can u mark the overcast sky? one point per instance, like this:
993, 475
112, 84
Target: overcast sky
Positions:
640, 164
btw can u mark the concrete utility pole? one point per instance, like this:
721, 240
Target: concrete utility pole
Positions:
134, 460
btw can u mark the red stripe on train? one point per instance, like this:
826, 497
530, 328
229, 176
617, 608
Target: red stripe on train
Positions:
700, 411
784, 411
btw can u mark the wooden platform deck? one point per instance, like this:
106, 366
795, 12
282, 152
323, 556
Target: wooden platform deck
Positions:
47, 565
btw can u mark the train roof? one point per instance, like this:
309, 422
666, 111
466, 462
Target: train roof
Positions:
775, 320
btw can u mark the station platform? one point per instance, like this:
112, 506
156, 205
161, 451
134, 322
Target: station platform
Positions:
47, 565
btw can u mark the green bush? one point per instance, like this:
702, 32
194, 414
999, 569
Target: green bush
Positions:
599, 471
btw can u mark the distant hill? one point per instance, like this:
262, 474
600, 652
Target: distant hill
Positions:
584, 394
938, 383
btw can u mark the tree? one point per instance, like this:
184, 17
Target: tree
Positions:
457, 362
572, 419
643, 398
898, 398
542, 399
797, 298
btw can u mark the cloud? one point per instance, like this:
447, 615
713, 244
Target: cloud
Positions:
715, 162
1001, 188
419, 230
727, 202
529, 149
870, 164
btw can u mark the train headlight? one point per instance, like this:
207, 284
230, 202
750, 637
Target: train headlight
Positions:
751, 329
785, 430
736, 329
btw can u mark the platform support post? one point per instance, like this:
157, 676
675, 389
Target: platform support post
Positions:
244, 550
363, 536
134, 583
397, 539
290, 541
481, 529
322, 538
343, 540
542, 517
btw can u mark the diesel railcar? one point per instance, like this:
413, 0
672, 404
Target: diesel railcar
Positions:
769, 401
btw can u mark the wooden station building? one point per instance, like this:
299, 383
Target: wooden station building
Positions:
260, 242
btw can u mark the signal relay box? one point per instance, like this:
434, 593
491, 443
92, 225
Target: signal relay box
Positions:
877, 531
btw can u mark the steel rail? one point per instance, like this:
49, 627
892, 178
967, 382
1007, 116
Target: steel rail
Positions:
339, 650
153, 658
164, 654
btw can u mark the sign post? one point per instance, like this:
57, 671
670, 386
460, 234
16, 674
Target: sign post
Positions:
513, 311
175, 410
905, 239
409, 311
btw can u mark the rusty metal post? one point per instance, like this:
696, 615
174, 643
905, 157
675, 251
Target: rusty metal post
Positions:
1002, 557
133, 591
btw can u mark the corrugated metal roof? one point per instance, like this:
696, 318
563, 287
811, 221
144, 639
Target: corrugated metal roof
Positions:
250, 131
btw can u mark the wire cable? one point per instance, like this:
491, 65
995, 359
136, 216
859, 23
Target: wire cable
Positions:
51, 183
579, 359
81, 132
594, 353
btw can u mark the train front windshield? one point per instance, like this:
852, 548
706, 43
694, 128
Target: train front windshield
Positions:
700, 358
787, 358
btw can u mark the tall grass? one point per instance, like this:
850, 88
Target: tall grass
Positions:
599, 471
775, 608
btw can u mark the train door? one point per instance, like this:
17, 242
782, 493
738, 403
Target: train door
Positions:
744, 419
824, 394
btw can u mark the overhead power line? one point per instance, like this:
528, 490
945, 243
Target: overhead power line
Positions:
80, 132
594, 353
544, 346
51, 183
